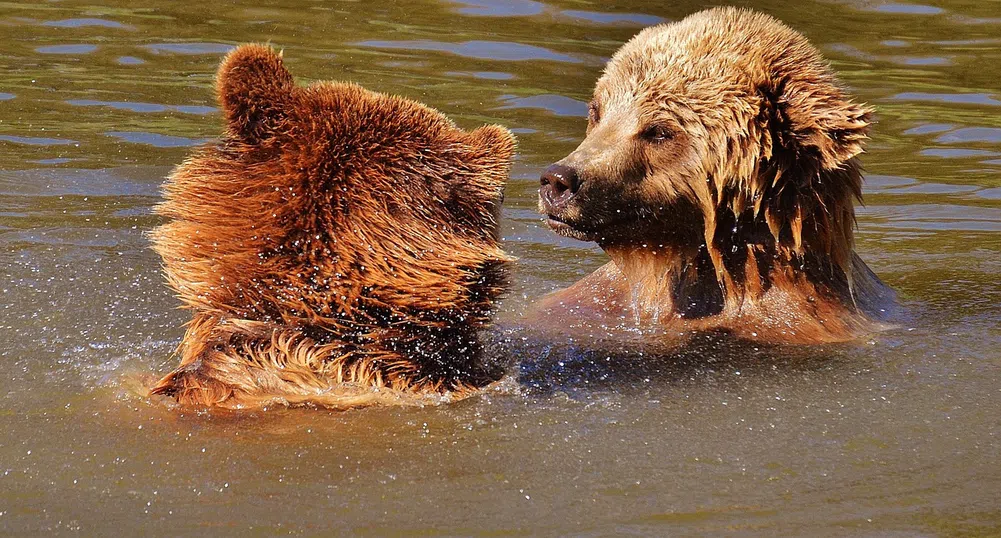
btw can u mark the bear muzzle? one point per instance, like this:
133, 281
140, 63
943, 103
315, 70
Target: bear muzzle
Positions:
558, 187
558, 184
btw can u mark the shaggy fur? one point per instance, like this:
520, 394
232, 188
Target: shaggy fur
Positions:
719, 172
337, 246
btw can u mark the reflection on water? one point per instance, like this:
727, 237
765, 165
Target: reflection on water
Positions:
145, 107
485, 50
80, 23
555, 104
895, 436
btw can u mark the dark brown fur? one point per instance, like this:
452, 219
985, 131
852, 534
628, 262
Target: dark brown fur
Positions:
337, 246
719, 172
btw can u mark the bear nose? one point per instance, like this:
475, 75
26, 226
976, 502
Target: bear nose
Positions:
558, 183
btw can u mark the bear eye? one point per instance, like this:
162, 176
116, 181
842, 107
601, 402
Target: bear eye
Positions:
657, 133
593, 112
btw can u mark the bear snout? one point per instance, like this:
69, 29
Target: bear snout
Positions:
558, 184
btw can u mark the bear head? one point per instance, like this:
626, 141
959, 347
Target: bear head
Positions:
362, 222
723, 130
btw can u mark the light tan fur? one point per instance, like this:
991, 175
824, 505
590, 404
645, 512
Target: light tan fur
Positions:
719, 172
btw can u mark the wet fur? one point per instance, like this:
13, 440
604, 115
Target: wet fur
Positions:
336, 247
743, 218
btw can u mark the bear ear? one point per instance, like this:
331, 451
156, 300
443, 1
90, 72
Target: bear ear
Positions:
815, 119
489, 152
495, 145
478, 172
253, 86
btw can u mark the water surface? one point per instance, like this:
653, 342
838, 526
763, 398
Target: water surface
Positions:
895, 436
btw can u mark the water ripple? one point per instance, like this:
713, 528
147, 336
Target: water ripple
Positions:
854, 52
485, 75
558, 105
638, 19
66, 49
919, 60
189, 48
876, 183
80, 23
484, 50
109, 182
907, 9
972, 134
939, 217
156, 140
929, 128
144, 107
935, 189
37, 141
990, 194
957, 153
500, 8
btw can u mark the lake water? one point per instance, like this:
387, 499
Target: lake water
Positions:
897, 436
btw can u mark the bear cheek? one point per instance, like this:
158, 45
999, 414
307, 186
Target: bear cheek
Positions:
673, 172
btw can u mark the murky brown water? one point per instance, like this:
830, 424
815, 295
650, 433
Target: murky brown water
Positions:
898, 436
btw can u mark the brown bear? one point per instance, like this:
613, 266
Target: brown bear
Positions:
337, 246
719, 172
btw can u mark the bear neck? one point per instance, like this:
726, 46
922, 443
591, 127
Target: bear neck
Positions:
751, 270
794, 252
668, 279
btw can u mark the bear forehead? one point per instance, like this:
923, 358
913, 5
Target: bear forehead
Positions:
707, 56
